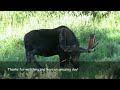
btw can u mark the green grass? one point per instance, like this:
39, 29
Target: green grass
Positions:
87, 70
15, 24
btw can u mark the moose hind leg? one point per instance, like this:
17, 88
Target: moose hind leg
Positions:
30, 57
32, 54
28, 49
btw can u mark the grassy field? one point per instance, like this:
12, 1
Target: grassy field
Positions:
101, 64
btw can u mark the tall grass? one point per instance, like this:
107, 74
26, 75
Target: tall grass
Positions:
15, 24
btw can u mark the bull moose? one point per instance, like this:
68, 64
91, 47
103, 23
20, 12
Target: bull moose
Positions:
58, 41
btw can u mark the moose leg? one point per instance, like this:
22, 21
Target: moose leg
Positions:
64, 60
28, 58
31, 55
28, 50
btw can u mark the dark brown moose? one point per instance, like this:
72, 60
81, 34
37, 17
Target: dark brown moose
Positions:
58, 41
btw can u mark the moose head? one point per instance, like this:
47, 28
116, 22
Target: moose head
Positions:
75, 50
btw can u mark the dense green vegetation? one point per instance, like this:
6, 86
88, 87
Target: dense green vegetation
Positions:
15, 24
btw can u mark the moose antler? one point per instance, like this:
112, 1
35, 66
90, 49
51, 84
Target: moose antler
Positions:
92, 43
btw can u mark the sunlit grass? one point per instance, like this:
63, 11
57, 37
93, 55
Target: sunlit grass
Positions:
15, 24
